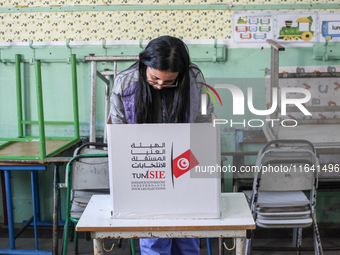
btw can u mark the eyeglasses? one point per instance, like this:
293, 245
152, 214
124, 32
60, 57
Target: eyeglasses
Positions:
152, 83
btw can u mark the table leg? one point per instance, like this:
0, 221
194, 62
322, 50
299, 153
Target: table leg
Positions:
98, 246
36, 195
240, 246
4, 205
34, 181
55, 210
220, 246
9, 209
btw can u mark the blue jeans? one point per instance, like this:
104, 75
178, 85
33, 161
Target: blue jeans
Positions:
169, 246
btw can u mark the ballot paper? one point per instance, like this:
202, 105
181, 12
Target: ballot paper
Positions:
160, 170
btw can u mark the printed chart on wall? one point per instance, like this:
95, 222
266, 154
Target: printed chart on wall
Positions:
253, 27
329, 25
296, 27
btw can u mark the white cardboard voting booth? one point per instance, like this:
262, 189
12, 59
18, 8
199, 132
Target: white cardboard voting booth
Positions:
159, 170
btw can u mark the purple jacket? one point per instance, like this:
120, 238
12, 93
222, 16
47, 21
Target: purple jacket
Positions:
123, 97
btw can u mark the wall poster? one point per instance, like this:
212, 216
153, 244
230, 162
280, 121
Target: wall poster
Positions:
296, 27
329, 27
253, 27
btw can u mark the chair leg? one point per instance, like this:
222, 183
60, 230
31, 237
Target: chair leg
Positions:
317, 239
67, 216
294, 237
75, 240
132, 247
208, 246
297, 238
65, 236
249, 243
71, 233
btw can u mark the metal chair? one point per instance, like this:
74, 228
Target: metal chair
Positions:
284, 169
87, 174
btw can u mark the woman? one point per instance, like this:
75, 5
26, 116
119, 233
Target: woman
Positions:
162, 87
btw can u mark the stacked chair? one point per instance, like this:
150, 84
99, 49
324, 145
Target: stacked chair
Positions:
87, 174
284, 169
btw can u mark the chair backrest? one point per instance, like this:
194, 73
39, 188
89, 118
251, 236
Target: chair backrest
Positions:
286, 170
288, 144
286, 165
90, 173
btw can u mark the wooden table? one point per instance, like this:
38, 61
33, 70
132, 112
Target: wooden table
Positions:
235, 220
23, 149
36, 207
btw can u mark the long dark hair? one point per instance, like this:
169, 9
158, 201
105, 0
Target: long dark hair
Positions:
164, 53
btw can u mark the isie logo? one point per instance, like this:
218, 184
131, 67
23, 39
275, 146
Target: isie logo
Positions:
182, 164
179, 166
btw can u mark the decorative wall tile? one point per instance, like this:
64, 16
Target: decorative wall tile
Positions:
13, 3
121, 25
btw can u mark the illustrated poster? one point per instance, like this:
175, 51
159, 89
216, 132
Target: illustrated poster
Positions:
253, 27
329, 27
296, 27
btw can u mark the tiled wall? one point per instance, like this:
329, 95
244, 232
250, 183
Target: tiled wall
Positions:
121, 25
10, 3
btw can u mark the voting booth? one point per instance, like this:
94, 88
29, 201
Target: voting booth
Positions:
164, 170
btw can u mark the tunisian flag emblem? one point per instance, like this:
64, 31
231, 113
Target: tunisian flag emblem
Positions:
183, 163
